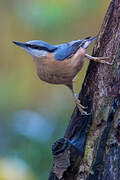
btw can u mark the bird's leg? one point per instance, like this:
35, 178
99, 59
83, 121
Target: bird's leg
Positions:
77, 102
98, 59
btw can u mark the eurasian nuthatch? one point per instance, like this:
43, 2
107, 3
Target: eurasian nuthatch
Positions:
59, 64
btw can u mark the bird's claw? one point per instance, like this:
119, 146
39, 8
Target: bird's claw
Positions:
81, 108
80, 105
109, 63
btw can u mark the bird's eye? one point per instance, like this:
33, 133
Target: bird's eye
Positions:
83, 44
27, 45
88, 37
36, 47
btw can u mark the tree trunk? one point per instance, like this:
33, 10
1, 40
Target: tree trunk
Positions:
90, 149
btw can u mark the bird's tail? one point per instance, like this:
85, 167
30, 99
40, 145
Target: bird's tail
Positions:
19, 44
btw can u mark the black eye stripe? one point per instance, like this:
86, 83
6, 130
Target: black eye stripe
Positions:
40, 47
88, 37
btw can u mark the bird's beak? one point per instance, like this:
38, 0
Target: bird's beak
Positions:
19, 44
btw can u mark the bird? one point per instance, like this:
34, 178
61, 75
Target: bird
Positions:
59, 64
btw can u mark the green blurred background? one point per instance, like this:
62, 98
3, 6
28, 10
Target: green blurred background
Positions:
33, 114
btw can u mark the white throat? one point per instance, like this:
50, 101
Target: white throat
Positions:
37, 53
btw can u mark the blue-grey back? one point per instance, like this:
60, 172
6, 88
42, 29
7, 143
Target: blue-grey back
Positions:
66, 50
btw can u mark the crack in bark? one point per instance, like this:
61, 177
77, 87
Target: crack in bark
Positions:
97, 166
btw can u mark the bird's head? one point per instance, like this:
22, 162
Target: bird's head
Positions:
87, 41
36, 48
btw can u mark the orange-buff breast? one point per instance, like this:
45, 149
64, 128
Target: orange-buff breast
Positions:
59, 72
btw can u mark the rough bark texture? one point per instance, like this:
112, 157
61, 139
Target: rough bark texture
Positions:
90, 149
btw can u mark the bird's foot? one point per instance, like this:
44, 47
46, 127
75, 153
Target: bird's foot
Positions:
81, 108
99, 59
77, 101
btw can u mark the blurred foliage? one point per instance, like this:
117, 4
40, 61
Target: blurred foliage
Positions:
33, 114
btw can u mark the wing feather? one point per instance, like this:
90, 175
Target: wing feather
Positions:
65, 51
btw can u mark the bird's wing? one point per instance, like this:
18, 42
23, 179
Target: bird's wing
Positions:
65, 51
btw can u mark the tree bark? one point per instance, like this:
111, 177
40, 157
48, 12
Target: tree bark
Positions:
90, 149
